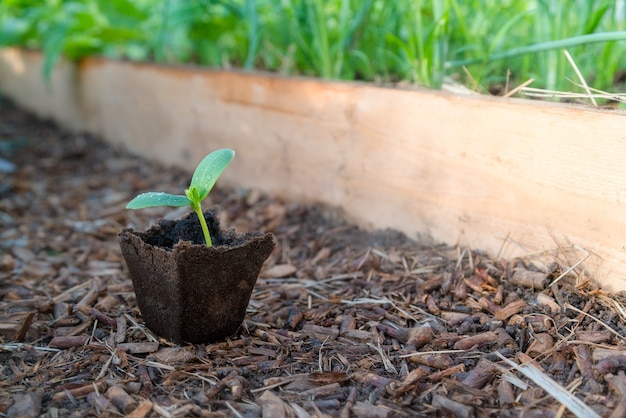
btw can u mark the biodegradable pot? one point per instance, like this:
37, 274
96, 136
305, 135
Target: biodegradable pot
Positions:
186, 291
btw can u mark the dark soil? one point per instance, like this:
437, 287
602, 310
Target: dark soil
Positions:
167, 232
342, 322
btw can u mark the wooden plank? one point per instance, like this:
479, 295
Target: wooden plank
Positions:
507, 176
21, 77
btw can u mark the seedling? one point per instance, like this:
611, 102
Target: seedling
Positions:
203, 180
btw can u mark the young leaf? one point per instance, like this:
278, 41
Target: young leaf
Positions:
193, 195
209, 170
202, 182
150, 199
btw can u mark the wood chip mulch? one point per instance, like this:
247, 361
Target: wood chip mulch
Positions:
342, 322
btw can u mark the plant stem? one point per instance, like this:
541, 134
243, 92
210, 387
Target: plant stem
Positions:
253, 34
205, 229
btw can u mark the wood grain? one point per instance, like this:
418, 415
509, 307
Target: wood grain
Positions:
511, 177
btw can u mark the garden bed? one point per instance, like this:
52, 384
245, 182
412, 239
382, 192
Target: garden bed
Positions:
342, 322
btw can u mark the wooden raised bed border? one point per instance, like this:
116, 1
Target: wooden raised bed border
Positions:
511, 177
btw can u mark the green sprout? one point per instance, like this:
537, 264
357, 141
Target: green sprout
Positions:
203, 180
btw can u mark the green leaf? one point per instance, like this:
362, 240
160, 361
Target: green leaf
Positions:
193, 195
13, 30
79, 45
53, 48
151, 199
209, 170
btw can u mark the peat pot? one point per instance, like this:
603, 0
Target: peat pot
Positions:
187, 291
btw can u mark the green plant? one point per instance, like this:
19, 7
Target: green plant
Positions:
425, 42
203, 180
76, 28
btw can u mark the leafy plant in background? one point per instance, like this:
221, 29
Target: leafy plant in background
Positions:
326, 34
419, 41
531, 38
74, 28
203, 180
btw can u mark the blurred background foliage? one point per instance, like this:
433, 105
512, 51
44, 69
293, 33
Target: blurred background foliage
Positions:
480, 43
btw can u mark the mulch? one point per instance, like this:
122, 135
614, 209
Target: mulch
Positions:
342, 322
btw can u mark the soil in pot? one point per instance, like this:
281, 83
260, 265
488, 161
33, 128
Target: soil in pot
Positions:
186, 291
